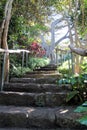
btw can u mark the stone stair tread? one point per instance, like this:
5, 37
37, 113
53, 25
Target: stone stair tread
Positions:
42, 72
34, 99
50, 66
18, 109
34, 80
25, 93
31, 117
53, 73
39, 75
31, 94
33, 87
37, 129
46, 69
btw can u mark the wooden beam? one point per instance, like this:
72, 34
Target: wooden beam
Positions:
14, 51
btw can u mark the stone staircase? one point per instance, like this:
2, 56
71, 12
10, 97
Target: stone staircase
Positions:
36, 101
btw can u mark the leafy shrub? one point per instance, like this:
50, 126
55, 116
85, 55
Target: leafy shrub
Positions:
76, 81
36, 50
64, 68
84, 66
71, 95
19, 71
36, 62
78, 87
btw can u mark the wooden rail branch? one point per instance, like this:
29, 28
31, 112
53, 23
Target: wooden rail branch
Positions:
79, 51
63, 50
14, 51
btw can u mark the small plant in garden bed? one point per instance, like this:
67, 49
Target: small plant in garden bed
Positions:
84, 66
78, 87
37, 62
64, 68
19, 71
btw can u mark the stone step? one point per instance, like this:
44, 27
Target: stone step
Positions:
42, 75
54, 66
42, 72
33, 87
47, 68
38, 129
40, 118
32, 99
43, 80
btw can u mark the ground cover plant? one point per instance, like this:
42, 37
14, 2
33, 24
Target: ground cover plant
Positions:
76, 82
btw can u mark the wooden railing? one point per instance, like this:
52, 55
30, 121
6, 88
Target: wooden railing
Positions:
59, 56
5, 52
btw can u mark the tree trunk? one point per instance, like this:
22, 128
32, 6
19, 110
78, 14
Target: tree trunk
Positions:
4, 33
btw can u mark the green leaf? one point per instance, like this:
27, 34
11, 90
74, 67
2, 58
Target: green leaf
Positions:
60, 81
80, 109
73, 81
70, 95
84, 104
83, 120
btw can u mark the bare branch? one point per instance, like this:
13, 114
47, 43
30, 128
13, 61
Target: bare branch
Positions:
79, 51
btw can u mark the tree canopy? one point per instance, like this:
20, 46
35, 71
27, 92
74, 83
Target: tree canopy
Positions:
22, 21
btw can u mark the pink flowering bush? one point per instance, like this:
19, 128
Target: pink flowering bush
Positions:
37, 50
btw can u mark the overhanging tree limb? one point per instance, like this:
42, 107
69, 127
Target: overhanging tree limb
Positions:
79, 51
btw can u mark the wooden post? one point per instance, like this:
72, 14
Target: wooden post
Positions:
23, 54
3, 71
56, 56
72, 62
69, 63
26, 59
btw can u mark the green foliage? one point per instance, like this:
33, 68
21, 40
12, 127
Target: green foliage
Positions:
2, 6
83, 120
15, 60
71, 95
80, 109
78, 87
19, 71
16, 68
76, 81
84, 66
64, 81
22, 33
26, 23
64, 68
35, 63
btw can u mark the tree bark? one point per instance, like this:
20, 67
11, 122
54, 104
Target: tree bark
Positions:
79, 51
4, 32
